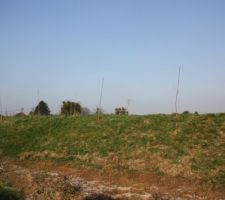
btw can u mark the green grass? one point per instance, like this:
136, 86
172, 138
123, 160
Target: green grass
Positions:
84, 141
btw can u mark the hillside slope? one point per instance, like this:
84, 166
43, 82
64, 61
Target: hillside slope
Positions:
188, 146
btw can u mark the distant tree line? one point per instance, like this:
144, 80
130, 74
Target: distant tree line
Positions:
67, 108
70, 108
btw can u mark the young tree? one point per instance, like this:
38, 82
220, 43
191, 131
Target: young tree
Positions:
70, 108
42, 109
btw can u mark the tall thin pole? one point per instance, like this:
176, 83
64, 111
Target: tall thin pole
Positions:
6, 106
128, 104
100, 99
0, 105
38, 102
178, 87
1, 108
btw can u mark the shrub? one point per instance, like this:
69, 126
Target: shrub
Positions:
186, 112
71, 108
196, 113
121, 111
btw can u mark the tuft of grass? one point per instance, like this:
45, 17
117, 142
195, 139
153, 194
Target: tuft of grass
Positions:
158, 171
220, 178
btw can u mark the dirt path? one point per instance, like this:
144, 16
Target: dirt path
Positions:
46, 180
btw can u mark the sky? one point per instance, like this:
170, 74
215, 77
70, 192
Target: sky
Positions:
60, 50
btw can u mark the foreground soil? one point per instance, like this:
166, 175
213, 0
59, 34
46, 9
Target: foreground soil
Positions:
40, 180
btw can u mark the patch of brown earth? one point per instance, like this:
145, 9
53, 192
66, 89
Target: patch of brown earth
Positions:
46, 180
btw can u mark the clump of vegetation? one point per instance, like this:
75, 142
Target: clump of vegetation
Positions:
9, 194
71, 108
220, 178
196, 113
121, 111
186, 112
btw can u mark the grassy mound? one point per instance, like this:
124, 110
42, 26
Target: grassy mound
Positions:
187, 145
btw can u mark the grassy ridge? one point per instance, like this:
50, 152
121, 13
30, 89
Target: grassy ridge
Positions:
187, 145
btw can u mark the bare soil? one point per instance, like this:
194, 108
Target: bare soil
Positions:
40, 180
